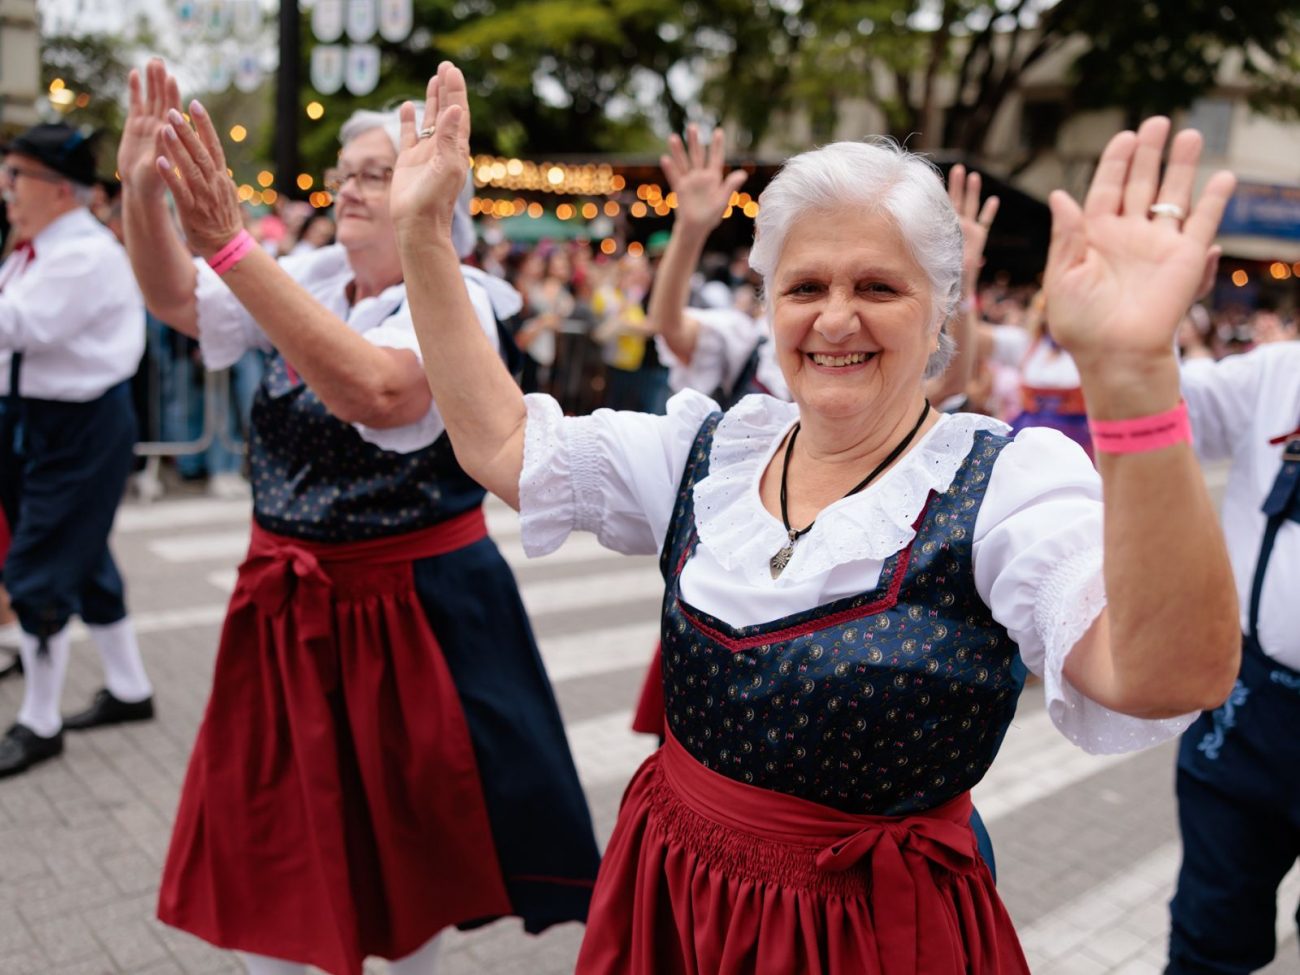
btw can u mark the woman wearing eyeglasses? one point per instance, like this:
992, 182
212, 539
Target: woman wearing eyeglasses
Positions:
381, 756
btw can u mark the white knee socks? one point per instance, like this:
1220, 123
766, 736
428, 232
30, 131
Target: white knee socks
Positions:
124, 674
43, 682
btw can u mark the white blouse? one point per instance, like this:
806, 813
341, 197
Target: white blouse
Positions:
1037, 541
723, 345
227, 330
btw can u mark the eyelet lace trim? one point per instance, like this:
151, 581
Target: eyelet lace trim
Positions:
1067, 603
742, 535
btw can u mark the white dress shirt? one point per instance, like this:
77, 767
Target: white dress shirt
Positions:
1237, 405
74, 311
227, 330
1037, 542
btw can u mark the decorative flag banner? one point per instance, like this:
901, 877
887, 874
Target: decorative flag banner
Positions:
219, 14
218, 70
248, 70
362, 72
248, 21
327, 20
396, 18
188, 17
327, 68
361, 20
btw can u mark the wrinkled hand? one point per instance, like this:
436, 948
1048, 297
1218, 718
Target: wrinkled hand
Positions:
150, 99
430, 173
193, 165
964, 191
1118, 279
695, 173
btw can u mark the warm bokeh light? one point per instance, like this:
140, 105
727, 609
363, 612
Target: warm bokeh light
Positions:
534, 210
617, 183
238, 133
612, 209
56, 85
565, 211
245, 193
1279, 271
1239, 278
607, 246
265, 178
269, 197
589, 211
305, 181
635, 249
638, 209
751, 209
315, 110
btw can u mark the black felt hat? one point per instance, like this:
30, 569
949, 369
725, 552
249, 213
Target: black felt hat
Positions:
60, 147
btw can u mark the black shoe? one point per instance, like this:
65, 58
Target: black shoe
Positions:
21, 748
13, 668
107, 709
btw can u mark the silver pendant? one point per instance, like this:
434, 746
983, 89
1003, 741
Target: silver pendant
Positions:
782, 558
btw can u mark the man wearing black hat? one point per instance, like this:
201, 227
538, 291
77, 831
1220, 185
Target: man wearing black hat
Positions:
71, 336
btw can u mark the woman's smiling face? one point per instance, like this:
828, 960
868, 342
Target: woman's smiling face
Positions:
852, 315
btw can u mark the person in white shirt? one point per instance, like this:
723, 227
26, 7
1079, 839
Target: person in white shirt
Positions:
381, 756
843, 654
71, 337
1239, 765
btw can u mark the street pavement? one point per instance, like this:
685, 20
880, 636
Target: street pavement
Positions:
1087, 847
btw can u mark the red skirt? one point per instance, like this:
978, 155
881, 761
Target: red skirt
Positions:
708, 876
332, 808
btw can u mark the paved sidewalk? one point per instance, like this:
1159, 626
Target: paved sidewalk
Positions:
1087, 847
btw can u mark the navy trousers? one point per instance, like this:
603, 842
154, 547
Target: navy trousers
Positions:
75, 460
1239, 811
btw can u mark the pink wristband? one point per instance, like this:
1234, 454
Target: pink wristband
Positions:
1143, 432
230, 255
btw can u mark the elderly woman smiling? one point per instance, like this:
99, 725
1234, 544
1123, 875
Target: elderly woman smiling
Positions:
856, 585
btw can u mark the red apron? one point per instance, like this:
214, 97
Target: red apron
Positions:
708, 876
332, 808
650, 717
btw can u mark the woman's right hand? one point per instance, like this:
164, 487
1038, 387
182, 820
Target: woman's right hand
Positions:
430, 172
695, 174
150, 100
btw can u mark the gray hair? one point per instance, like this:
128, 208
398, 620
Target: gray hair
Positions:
875, 176
364, 120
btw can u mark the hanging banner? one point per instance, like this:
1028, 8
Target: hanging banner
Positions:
327, 68
248, 71
327, 20
218, 70
219, 14
189, 18
361, 20
247, 20
362, 72
396, 18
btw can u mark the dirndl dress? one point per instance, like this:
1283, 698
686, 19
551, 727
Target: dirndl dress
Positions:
382, 756
810, 810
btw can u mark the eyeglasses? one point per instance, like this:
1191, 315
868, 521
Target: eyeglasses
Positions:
370, 180
11, 174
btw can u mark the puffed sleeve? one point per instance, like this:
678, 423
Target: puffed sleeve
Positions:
398, 332
1038, 567
226, 329
613, 473
723, 344
1221, 398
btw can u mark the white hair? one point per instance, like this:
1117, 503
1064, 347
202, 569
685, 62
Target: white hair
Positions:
82, 194
364, 120
875, 176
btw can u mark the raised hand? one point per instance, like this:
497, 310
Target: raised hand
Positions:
192, 164
1119, 277
151, 98
431, 168
695, 173
964, 191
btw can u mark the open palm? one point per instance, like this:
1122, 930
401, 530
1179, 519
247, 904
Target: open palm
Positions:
150, 99
695, 173
430, 171
1119, 279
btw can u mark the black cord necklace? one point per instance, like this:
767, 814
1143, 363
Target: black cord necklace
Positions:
782, 558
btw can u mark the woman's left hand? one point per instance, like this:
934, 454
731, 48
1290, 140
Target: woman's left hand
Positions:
1119, 278
193, 165
431, 167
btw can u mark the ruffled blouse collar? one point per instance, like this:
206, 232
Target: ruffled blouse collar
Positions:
873, 524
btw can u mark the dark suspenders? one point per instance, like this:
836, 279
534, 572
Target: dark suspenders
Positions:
1282, 504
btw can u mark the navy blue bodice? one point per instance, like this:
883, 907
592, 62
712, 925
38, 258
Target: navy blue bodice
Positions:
888, 702
315, 478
